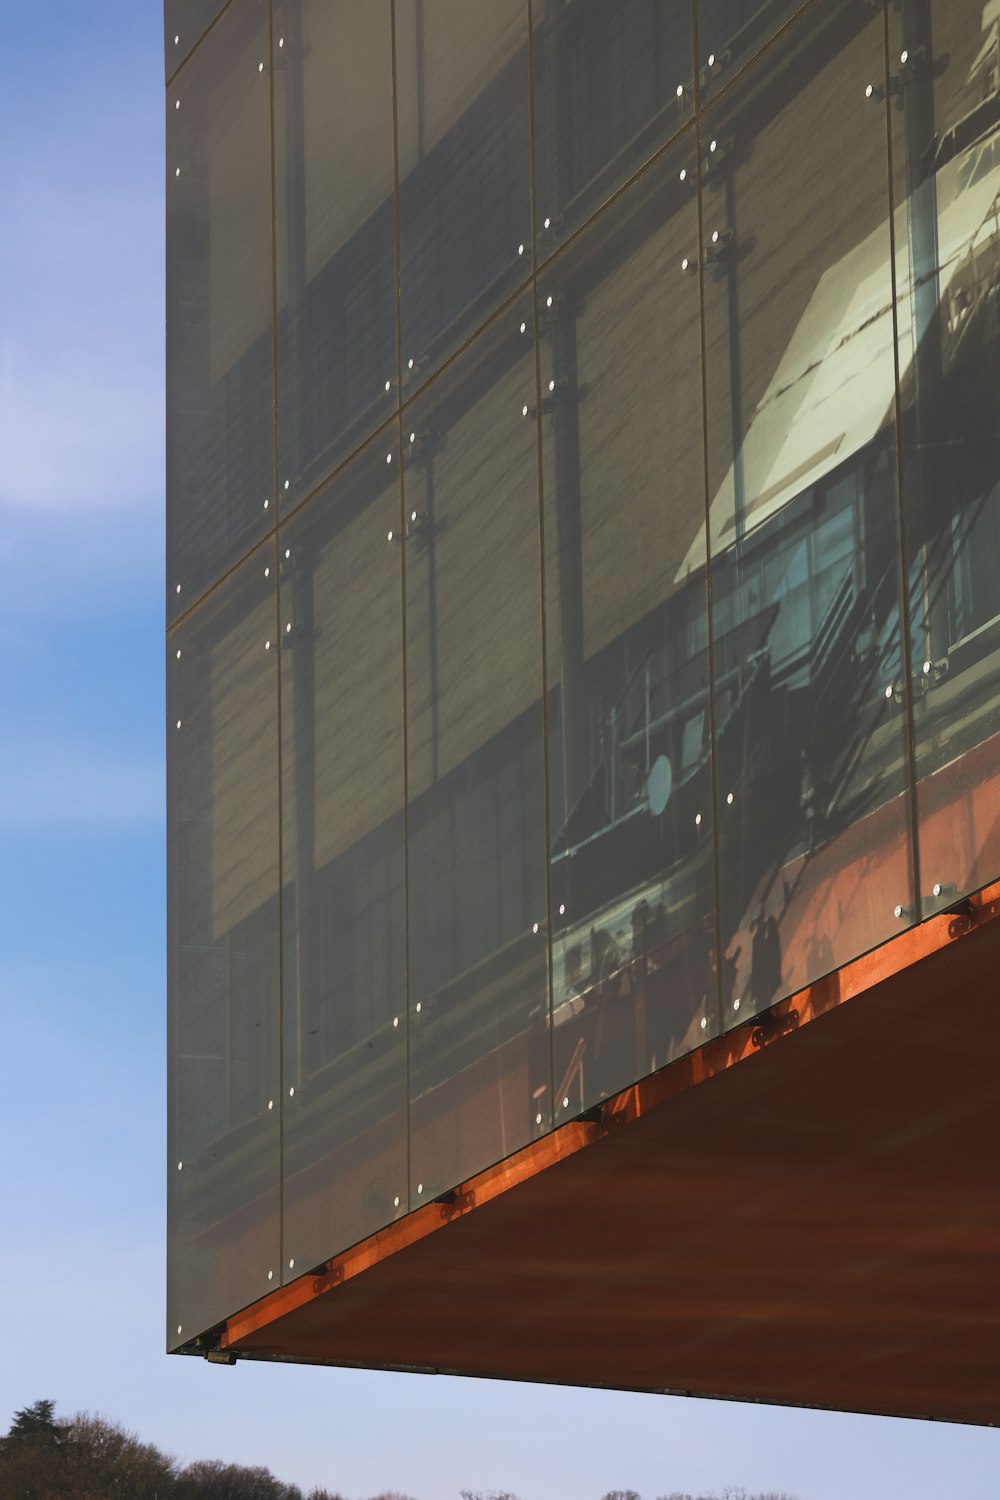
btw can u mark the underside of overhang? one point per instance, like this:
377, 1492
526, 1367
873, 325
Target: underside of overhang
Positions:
809, 1215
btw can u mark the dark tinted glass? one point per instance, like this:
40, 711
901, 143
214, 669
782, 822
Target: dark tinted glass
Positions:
731, 32
633, 888
220, 425
810, 700
612, 82
464, 169
335, 232
223, 951
479, 1057
945, 110
184, 24
342, 812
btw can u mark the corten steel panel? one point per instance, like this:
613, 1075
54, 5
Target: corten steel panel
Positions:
813, 1225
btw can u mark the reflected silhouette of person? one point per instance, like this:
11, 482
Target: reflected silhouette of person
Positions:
772, 953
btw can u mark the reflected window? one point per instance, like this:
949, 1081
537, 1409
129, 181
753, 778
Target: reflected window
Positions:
946, 157
810, 698
612, 83
631, 858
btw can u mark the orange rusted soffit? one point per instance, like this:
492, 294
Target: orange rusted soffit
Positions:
911, 949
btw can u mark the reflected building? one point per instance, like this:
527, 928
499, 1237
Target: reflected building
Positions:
583, 673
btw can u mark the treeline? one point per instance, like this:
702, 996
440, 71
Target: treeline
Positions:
86, 1457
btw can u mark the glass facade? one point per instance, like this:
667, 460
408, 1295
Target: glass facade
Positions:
583, 564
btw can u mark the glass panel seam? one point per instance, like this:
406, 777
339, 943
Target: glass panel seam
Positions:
709, 613
546, 815
398, 421
905, 640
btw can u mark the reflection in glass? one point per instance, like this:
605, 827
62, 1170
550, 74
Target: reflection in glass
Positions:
732, 32
612, 83
810, 698
464, 169
335, 234
633, 967
342, 814
946, 159
220, 423
479, 1056
223, 950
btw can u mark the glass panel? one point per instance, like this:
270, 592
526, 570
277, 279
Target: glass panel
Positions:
342, 816
220, 421
184, 24
464, 169
335, 234
810, 701
479, 1051
732, 32
632, 871
945, 111
612, 83
223, 951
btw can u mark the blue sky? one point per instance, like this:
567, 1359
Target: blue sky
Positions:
82, 899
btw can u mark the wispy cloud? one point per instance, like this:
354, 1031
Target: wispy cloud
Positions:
73, 439
61, 785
